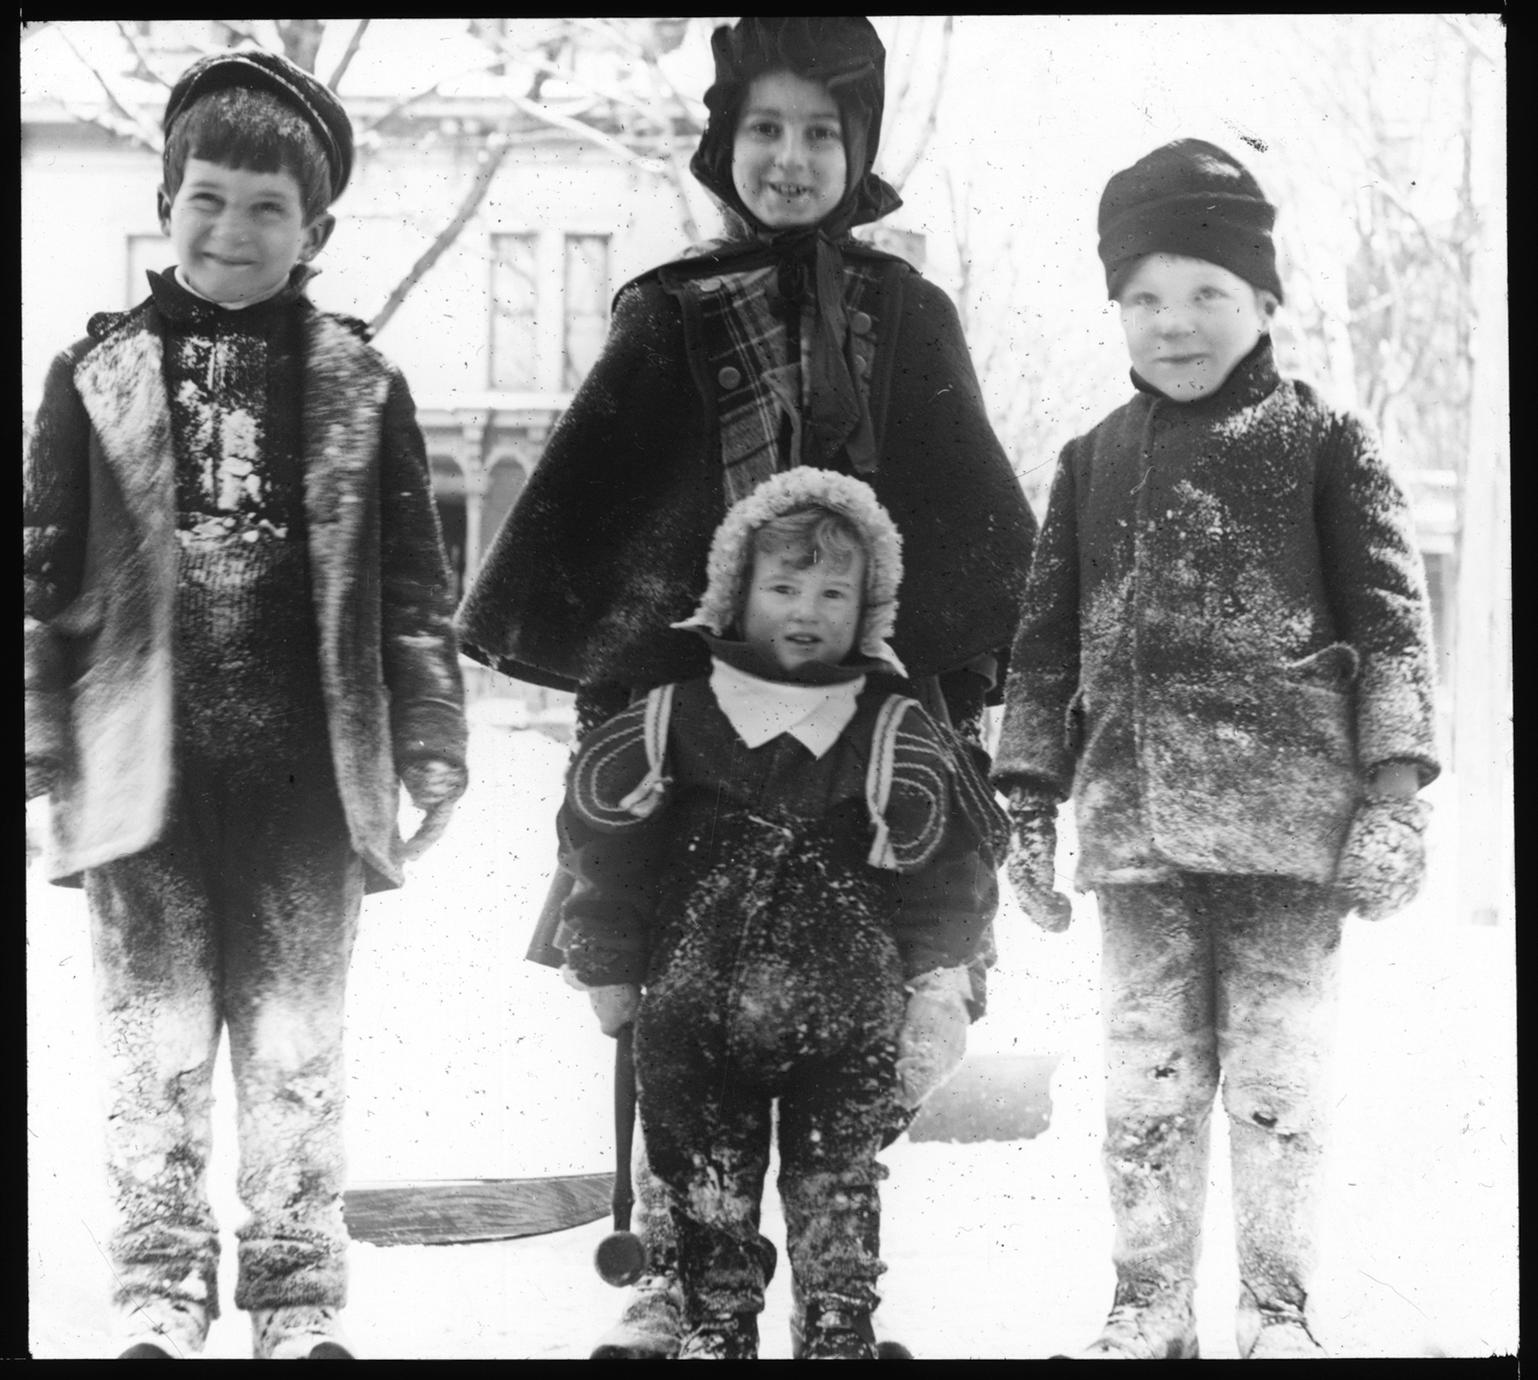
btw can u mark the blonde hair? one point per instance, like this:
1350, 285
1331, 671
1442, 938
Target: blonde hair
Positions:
807, 536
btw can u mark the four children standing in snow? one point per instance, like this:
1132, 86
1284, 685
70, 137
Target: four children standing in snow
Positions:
781, 850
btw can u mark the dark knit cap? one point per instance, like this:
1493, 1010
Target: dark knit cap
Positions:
1189, 198
258, 70
843, 53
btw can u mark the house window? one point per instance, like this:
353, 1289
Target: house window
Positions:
586, 305
514, 307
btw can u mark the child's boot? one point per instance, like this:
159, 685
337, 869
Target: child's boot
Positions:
729, 1337
156, 1329
1156, 1166
298, 1332
837, 1334
1277, 1182
1147, 1322
651, 1325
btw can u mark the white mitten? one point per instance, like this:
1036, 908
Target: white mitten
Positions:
614, 1003
1032, 851
1383, 863
933, 1039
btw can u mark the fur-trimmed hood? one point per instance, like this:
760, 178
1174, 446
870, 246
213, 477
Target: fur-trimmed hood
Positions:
806, 487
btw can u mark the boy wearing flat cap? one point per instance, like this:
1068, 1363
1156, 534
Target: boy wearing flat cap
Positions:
1224, 658
238, 648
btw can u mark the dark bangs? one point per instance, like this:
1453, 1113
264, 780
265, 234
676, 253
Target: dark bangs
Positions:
240, 128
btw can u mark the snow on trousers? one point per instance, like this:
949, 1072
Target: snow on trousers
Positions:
1207, 976
243, 916
784, 994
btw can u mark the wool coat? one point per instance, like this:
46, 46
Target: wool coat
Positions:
1225, 630
101, 568
606, 546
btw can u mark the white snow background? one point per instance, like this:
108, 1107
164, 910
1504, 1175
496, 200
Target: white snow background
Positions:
467, 1061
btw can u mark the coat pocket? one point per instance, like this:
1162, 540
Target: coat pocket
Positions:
1252, 776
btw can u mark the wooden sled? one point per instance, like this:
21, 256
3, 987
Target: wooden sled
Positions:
451, 1212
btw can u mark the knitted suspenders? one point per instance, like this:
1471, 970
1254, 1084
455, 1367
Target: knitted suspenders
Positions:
654, 734
878, 777
658, 712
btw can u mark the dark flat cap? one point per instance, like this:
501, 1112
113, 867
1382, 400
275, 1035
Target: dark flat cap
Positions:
258, 70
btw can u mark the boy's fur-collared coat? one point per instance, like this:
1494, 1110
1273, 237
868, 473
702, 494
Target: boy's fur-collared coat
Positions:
1225, 631
101, 562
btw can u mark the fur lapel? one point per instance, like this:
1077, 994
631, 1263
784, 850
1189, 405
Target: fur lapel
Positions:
345, 388
122, 388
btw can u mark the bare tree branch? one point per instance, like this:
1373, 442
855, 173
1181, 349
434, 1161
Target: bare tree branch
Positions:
136, 128
1460, 26
393, 110
142, 66
899, 176
351, 52
301, 40
492, 154
586, 131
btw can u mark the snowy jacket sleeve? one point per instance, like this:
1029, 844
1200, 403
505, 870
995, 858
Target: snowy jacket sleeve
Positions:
419, 649
55, 513
612, 824
946, 835
1037, 742
1378, 593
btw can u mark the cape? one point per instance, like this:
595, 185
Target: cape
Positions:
606, 546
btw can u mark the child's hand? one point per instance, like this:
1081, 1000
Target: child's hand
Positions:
1032, 849
933, 1038
1383, 863
614, 1003
431, 781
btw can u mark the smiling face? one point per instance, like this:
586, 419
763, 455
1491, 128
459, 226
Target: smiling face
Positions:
1188, 322
239, 233
798, 611
788, 160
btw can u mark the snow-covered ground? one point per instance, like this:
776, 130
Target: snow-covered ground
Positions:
466, 1061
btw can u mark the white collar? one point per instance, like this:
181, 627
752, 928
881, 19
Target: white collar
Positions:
181, 280
761, 709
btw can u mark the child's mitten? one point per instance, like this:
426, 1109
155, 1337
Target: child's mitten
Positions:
431, 781
434, 786
1383, 863
1032, 849
933, 1038
614, 1003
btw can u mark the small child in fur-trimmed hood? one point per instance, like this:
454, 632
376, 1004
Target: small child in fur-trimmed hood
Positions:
775, 852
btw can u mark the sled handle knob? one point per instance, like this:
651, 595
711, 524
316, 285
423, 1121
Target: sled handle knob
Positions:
620, 1259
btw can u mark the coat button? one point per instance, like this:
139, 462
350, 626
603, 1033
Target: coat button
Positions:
860, 323
729, 377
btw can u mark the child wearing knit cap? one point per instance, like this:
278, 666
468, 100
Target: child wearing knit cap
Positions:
785, 342
238, 648
1224, 659
774, 852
